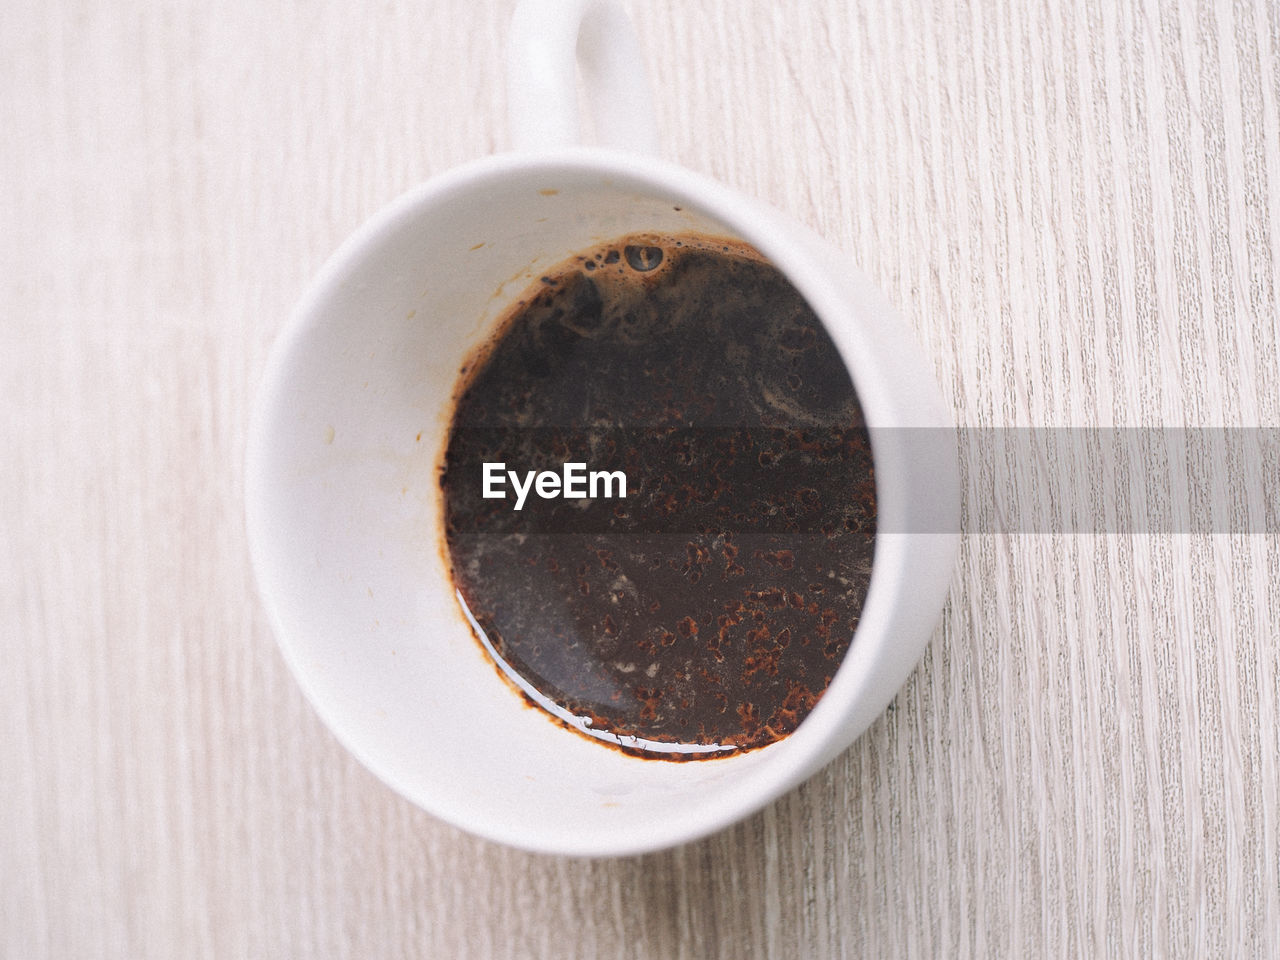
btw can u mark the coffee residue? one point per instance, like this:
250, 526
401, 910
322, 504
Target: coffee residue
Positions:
708, 611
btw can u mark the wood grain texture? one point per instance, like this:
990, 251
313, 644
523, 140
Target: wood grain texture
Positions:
1076, 204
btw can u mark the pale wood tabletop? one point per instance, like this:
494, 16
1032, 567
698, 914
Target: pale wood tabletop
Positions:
1075, 204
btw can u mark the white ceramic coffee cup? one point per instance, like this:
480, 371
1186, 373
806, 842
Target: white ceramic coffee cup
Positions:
342, 492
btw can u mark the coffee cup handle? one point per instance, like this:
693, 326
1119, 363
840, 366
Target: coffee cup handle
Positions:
550, 40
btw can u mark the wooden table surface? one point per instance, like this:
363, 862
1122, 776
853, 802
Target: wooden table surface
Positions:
1075, 203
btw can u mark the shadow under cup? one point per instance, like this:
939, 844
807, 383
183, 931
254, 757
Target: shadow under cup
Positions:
344, 518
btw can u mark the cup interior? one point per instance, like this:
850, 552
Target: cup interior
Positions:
344, 519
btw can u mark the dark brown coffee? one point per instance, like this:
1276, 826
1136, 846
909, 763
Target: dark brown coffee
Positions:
707, 610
